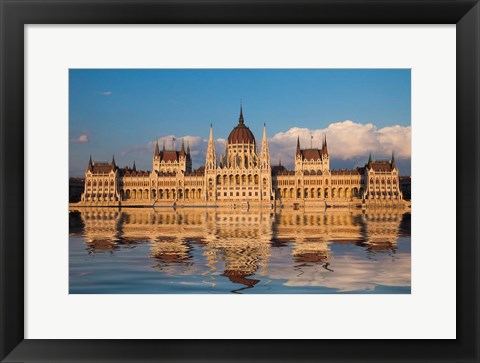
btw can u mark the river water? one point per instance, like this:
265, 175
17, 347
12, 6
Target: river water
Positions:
209, 251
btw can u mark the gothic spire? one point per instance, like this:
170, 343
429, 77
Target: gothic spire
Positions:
393, 161
370, 159
157, 151
211, 158
134, 166
188, 147
265, 154
298, 146
113, 161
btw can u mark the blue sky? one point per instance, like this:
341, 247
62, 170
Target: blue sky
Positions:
122, 112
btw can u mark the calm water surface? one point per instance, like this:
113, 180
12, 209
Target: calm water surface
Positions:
208, 251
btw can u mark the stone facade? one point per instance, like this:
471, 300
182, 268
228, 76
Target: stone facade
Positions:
242, 178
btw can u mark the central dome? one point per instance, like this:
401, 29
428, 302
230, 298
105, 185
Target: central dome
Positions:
241, 134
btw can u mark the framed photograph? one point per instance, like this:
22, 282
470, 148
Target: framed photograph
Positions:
300, 178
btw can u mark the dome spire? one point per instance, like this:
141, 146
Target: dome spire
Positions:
240, 119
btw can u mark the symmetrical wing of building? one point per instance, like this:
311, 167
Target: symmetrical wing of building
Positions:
242, 178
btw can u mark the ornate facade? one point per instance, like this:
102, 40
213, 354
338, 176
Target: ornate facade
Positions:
242, 177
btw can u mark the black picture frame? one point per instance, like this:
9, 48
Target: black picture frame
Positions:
16, 14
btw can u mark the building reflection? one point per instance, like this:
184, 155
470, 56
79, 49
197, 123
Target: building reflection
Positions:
244, 247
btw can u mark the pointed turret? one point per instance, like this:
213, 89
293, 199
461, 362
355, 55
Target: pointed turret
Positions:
393, 161
298, 146
188, 147
157, 150
113, 162
369, 159
265, 154
211, 159
163, 149
90, 164
182, 150
134, 166
324, 146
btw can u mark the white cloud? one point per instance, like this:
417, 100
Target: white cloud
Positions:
81, 139
105, 93
346, 140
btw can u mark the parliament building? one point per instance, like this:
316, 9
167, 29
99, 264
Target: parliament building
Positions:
242, 178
